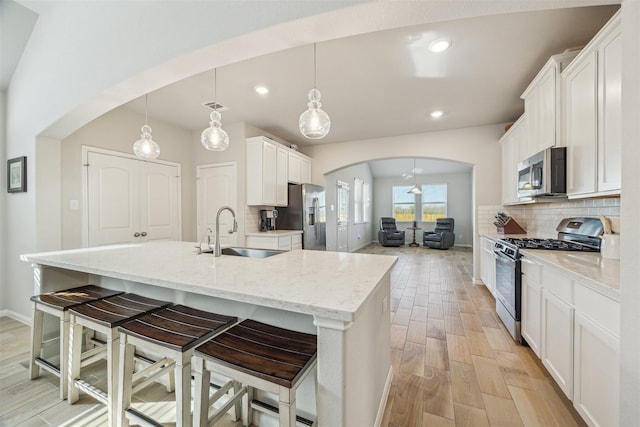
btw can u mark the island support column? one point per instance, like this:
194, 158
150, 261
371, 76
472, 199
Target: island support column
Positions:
354, 364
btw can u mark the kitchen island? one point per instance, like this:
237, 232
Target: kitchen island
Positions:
342, 297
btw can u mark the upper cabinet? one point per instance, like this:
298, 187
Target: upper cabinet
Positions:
542, 106
511, 145
592, 98
299, 168
270, 167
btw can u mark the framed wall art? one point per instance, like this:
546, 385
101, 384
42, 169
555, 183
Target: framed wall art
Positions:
17, 175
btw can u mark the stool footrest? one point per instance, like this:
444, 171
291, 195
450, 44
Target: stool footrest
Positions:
92, 391
221, 411
220, 392
160, 371
45, 364
141, 419
272, 410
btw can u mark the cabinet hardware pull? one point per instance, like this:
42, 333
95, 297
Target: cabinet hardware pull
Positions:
136, 234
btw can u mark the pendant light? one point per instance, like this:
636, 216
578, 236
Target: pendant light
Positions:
314, 123
146, 147
415, 189
214, 138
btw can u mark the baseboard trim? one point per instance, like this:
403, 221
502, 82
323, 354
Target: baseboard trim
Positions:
16, 316
385, 397
477, 281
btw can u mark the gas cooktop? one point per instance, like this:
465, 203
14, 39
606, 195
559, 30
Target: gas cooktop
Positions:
550, 244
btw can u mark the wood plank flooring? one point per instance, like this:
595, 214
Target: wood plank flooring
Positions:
454, 363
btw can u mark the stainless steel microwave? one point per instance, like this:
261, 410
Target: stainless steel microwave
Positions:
544, 174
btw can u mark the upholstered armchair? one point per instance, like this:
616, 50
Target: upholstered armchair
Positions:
389, 235
442, 237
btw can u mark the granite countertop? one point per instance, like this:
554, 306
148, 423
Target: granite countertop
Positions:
601, 275
333, 285
274, 233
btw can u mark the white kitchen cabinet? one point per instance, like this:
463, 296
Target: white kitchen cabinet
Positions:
511, 144
130, 200
542, 105
557, 340
488, 264
591, 116
266, 179
299, 168
531, 302
282, 172
275, 241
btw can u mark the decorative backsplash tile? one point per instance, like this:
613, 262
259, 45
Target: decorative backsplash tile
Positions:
542, 219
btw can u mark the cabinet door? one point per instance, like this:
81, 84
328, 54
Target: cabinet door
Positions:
269, 162
610, 112
580, 112
528, 141
597, 374
557, 341
294, 168
113, 199
546, 99
531, 311
305, 170
282, 177
159, 201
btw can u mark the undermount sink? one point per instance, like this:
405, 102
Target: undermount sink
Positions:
251, 253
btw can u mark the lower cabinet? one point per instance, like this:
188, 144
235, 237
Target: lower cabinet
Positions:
557, 340
283, 242
488, 264
575, 331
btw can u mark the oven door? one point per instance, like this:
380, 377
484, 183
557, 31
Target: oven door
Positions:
508, 289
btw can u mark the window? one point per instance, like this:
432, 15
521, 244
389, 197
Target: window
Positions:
366, 204
358, 214
434, 202
343, 202
404, 204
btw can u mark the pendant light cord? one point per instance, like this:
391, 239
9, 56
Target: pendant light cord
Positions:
215, 89
146, 109
314, 67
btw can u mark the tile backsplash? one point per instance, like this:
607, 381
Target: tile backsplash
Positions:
542, 219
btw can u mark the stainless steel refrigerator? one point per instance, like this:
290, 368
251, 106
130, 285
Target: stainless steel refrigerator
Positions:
307, 212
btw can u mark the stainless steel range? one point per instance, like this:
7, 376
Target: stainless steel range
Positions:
574, 234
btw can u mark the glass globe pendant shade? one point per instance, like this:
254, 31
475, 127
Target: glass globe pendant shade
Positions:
146, 147
214, 138
314, 123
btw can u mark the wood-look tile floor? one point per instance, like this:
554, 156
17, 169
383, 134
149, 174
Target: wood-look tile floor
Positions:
454, 364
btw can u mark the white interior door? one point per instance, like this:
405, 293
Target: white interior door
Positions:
112, 199
159, 201
343, 217
217, 187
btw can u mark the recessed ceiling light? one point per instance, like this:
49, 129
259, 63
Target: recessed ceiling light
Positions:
439, 45
436, 114
261, 90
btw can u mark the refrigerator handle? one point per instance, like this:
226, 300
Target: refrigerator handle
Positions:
315, 215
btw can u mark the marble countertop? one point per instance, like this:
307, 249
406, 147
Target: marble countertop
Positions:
274, 233
333, 285
601, 275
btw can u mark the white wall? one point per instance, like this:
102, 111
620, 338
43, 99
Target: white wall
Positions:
361, 234
459, 206
3, 196
118, 130
476, 146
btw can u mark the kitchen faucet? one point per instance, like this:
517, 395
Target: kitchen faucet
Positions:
216, 250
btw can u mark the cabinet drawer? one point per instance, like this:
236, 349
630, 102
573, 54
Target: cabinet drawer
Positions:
600, 309
558, 284
532, 270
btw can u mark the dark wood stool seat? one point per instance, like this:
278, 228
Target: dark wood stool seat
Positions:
257, 355
103, 316
58, 303
172, 333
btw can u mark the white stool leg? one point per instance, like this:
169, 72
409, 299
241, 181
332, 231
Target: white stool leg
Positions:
237, 408
287, 407
113, 342
36, 341
183, 389
64, 353
247, 412
125, 375
201, 393
75, 357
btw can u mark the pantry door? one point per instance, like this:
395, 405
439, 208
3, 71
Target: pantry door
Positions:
130, 200
217, 187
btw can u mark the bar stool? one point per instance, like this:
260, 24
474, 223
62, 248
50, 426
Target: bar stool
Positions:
103, 316
58, 304
259, 356
172, 333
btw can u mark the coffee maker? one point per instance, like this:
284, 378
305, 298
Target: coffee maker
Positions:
268, 219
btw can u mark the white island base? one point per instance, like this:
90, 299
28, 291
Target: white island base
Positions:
343, 298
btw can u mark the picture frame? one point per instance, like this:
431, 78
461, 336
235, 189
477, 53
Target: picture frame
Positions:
17, 175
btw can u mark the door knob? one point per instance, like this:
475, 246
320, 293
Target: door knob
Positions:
144, 233
136, 234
